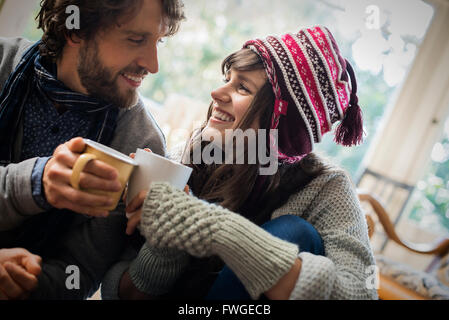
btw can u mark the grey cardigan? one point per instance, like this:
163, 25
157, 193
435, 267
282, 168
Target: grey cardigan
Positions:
94, 244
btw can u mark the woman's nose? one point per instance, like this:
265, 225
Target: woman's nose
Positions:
221, 94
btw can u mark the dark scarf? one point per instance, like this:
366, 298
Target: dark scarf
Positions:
17, 88
40, 233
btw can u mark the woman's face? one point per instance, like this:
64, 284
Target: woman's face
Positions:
232, 100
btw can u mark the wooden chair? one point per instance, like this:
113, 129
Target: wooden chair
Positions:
394, 196
389, 289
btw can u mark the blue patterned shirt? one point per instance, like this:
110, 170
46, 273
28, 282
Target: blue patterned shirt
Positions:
44, 129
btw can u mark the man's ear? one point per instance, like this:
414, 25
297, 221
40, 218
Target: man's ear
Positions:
73, 40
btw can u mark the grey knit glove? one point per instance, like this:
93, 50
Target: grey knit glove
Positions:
173, 219
155, 270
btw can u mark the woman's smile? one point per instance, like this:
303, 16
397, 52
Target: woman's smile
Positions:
221, 117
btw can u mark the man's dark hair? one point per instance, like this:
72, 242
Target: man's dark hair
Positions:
94, 16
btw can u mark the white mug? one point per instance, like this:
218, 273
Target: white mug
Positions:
155, 168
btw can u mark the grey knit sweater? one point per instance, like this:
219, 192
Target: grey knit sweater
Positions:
328, 202
331, 205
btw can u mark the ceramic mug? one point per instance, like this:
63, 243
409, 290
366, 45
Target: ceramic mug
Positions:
155, 168
97, 151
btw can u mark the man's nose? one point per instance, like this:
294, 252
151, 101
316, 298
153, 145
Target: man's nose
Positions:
149, 60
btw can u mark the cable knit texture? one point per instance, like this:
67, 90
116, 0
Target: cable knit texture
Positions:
331, 205
173, 219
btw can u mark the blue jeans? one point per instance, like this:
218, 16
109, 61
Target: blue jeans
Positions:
290, 228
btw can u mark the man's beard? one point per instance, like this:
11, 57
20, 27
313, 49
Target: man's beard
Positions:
100, 81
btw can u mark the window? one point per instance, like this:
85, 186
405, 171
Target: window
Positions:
429, 205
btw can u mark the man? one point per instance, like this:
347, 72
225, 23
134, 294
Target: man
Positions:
74, 83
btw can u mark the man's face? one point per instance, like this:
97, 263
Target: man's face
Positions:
113, 64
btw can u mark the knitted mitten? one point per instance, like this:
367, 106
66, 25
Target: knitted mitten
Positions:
155, 270
173, 219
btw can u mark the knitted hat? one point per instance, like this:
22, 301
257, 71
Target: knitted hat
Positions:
310, 80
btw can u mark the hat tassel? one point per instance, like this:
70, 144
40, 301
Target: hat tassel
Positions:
350, 130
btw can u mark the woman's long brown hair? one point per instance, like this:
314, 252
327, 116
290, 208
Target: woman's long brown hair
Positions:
233, 186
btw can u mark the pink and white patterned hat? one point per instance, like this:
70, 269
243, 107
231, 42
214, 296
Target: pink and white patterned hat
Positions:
310, 80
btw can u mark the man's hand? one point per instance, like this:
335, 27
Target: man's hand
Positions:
97, 175
18, 273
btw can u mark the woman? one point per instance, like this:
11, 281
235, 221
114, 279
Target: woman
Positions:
297, 234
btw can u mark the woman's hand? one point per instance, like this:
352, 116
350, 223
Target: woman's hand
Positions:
134, 210
131, 155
